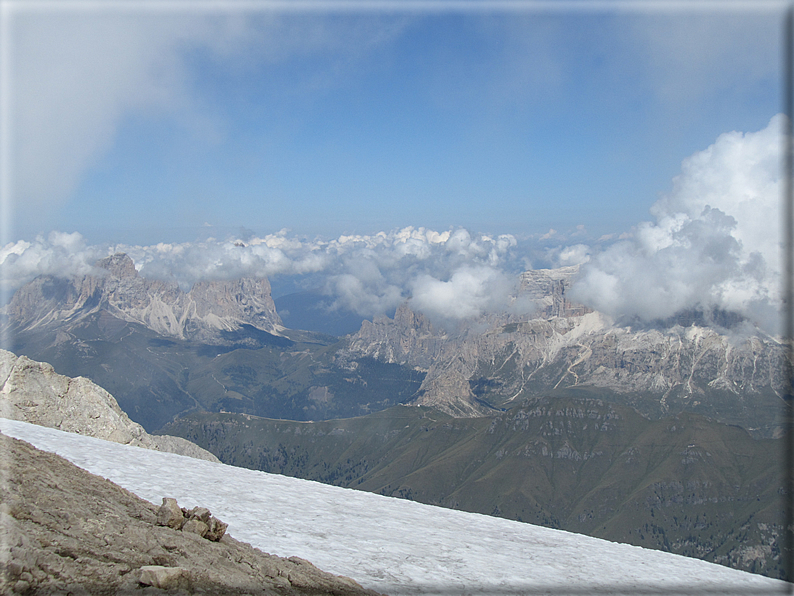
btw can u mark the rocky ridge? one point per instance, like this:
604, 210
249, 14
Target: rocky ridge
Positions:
33, 392
67, 531
559, 345
204, 313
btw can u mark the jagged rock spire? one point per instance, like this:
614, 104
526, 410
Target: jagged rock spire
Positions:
119, 265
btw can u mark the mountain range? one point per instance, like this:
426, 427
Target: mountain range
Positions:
221, 346
161, 351
713, 363
683, 484
204, 313
549, 413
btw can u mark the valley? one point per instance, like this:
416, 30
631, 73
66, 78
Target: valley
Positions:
393, 273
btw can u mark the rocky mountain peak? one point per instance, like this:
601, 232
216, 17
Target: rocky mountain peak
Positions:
243, 295
548, 288
407, 318
119, 265
209, 310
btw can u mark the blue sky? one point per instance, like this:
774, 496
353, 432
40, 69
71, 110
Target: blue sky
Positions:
329, 122
402, 149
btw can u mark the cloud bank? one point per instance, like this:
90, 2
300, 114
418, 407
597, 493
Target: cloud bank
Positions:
448, 275
715, 241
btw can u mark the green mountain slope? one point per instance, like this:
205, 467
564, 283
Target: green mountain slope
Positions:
684, 484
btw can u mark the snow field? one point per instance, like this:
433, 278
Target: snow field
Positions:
393, 545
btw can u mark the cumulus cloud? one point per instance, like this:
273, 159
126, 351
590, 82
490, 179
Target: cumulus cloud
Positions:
56, 254
716, 241
367, 292
452, 274
469, 292
374, 274
564, 256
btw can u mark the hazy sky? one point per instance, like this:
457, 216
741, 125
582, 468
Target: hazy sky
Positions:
161, 123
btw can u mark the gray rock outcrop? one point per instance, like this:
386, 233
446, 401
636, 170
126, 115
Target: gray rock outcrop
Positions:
66, 531
198, 520
33, 392
548, 288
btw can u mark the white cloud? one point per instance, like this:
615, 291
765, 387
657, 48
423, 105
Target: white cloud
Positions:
368, 274
716, 241
740, 175
469, 292
77, 76
379, 272
368, 296
57, 254
576, 254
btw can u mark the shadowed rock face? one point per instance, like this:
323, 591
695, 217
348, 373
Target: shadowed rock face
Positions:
68, 531
203, 313
33, 392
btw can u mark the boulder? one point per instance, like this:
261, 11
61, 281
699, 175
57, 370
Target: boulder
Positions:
198, 520
170, 514
196, 526
164, 578
217, 530
67, 531
200, 513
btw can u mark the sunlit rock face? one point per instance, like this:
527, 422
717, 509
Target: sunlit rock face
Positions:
691, 362
204, 313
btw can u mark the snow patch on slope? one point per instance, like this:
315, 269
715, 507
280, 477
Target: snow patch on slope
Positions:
392, 545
